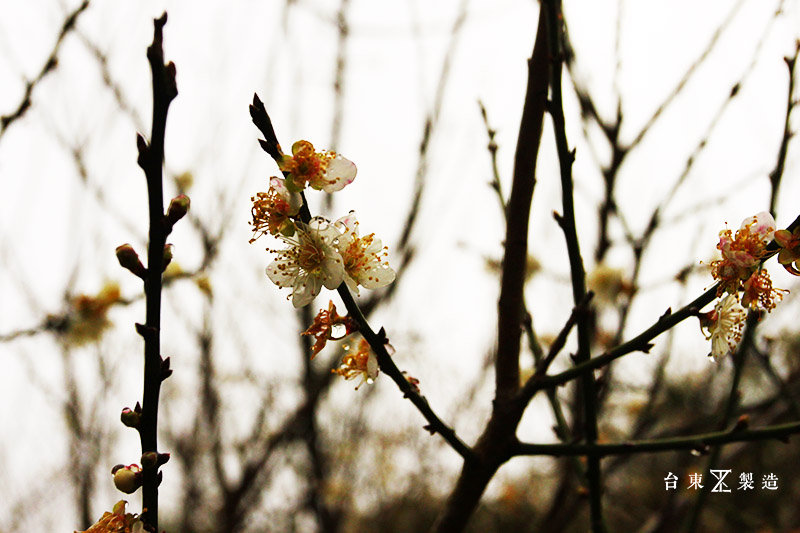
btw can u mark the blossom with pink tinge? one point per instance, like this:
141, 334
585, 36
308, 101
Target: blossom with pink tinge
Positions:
323, 171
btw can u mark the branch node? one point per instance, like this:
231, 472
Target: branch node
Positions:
143, 148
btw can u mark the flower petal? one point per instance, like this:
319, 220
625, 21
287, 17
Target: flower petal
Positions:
282, 272
376, 276
341, 173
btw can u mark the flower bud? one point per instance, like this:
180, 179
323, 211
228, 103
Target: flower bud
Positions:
167, 256
127, 478
149, 460
178, 207
130, 418
129, 259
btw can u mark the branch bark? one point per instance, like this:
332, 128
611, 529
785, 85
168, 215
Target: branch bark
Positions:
151, 156
495, 444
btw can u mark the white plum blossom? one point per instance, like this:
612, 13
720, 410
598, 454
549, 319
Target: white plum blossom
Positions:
364, 258
724, 326
310, 261
273, 210
340, 173
323, 171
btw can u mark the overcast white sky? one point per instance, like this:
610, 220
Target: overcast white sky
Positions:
54, 229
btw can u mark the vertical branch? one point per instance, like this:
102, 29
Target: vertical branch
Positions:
777, 173
492, 449
511, 303
552, 10
151, 156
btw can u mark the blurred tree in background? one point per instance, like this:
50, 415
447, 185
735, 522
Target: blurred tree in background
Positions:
681, 117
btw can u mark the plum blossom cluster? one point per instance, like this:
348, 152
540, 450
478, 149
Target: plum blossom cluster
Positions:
743, 283
320, 253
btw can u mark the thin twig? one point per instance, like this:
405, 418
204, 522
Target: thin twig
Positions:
777, 173
552, 9
691, 443
49, 66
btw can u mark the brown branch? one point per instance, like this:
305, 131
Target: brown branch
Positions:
151, 156
691, 443
566, 158
378, 340
777, 173
639, 343
491, 450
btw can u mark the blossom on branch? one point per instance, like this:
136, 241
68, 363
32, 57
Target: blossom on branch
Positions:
724, 325
273, 210
360, 363
328, 325
790, 249
742, 253
117, 521
323, 171
758, 292
310, 261
364, 257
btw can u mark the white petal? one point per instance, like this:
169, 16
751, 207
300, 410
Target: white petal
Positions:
282, 272
376, 276
342, 242
762, 224
305, 290
372, 366
322, 232
348, 223
341, 172
351, 284
332, 269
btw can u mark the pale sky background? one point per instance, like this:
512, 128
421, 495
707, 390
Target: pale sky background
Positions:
53, 228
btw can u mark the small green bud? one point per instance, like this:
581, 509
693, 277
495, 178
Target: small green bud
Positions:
167, 256
178, 207
149, 460
129, 259
130, 418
